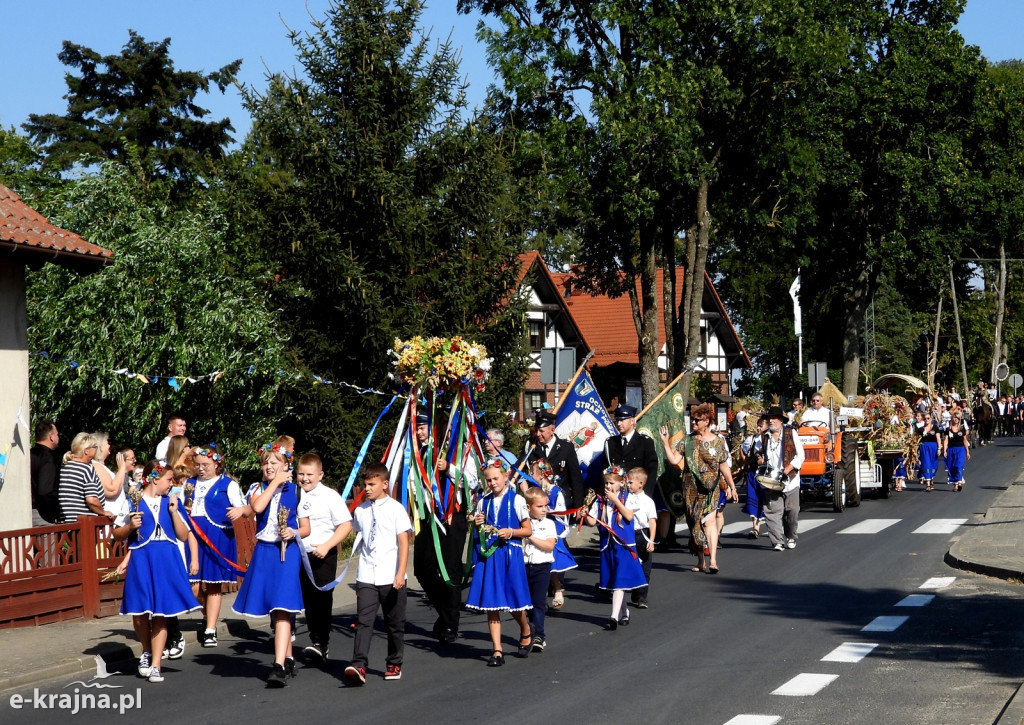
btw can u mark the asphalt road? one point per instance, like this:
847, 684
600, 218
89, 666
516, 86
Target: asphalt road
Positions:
711, 649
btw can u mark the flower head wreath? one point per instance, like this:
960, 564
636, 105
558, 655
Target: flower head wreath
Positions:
275, 448
209, 451
614, 471
499, 463
544, 468
158, 470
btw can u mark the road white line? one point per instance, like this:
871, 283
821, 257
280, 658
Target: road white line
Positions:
940, 526
735, 529
938, 582
754, 720
885, 624
869, 526
805, 684
809, 524
916, 600
849, 652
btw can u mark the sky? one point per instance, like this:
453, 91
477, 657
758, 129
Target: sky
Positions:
208, 34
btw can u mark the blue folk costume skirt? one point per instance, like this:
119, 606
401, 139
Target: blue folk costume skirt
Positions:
156, 583
956, 457
499, 581
929, 459
754, 506
899, 468
212, 568
564, 560
271, 584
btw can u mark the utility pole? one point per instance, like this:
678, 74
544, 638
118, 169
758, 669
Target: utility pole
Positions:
959, 336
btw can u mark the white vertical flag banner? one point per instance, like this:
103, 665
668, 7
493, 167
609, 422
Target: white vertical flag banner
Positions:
794, 292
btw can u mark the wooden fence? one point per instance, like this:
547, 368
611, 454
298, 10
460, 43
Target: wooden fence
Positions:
54, 573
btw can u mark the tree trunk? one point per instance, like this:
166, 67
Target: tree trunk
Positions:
668, 303
645, 320
856, 305
997, 345
697, 261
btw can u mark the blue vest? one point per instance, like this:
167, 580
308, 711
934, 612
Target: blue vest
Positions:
216, 503
141, 536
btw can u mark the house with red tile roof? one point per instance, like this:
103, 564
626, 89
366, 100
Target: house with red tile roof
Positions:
27, 240
605, 327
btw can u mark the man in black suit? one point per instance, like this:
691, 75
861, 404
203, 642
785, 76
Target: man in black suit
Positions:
629, 449
561, 455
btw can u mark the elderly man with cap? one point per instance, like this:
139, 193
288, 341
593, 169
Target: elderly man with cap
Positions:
445, 598
629, 449
783, 454
560, 455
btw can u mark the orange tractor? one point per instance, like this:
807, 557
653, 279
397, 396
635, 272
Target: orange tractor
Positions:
840, 479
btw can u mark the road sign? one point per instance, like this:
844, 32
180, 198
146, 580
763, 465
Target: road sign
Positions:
565, 368
1002, 370
816, 374
1015, 381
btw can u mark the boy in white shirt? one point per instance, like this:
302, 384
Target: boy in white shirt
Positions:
645, 524
384, 528
539, 555
329, 524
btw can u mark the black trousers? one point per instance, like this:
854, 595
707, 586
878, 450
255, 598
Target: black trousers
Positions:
392, 602
446, 600
318, 604
538, 577
646, 562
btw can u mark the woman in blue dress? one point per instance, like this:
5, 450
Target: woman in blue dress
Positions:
499, 575
957, 446
156, 585
620, 568
929, 451
271, 584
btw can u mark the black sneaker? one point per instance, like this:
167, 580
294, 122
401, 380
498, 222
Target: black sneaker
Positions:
207, 639
289, 666
278, 676
316, 653
539, 643
641, 603
355, 675
175, 649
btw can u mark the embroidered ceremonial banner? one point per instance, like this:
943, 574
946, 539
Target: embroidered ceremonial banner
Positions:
582, 419
668, 409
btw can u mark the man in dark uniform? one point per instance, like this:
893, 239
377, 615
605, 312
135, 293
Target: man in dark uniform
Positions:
629, 449
446, 599
561, 455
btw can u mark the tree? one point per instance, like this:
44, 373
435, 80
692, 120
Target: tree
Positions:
166, 306
135, 99
373, 210
631, 115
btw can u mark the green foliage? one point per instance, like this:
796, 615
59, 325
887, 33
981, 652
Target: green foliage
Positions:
135, 99
702, 386
166, 306
20, 165
370, 209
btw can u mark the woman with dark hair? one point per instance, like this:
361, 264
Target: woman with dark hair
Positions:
703, 457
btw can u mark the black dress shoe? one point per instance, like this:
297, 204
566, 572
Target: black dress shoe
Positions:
611, 625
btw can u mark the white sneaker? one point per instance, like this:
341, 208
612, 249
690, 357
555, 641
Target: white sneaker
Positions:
154, 675
778, 547
144, 666
790, 543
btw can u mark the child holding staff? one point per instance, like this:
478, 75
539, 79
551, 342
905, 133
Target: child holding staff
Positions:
620, 569
539, 554
156, 586
271, 584
499, 578
385, 530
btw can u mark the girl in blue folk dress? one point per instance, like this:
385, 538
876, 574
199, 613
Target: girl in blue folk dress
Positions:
929, 432
499, 577
564, 560
156, 585
271, 584
957, 447
620, 568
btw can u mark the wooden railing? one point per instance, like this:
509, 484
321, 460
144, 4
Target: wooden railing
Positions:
54, 573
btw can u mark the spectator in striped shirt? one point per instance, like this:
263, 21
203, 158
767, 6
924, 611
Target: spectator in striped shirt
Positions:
80, 490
